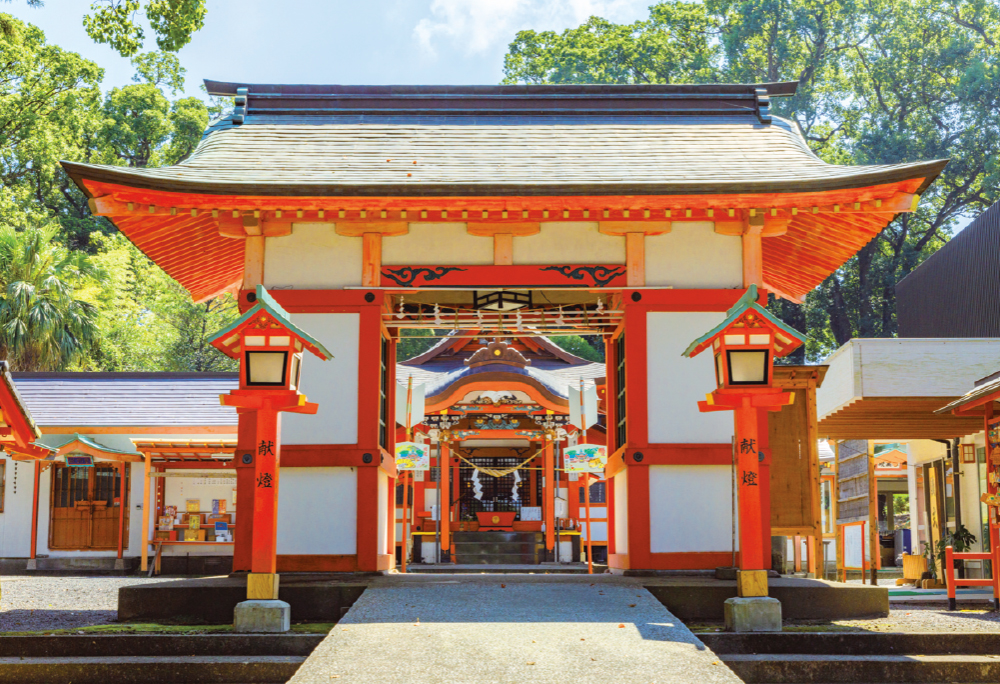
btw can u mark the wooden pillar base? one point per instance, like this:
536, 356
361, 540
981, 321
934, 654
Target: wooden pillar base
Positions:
262, 586
750, 583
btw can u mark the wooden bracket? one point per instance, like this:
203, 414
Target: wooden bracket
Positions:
626, 227
357, 228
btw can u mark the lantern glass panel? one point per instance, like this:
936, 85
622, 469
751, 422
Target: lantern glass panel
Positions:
296, 370
748, 367
720, 374
266, 368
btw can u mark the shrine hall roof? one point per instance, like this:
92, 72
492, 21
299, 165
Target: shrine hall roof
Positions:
436, 141
127, 399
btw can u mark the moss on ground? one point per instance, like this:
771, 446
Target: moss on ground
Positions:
157, 628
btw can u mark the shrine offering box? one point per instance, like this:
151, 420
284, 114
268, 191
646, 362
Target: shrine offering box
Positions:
192, 520
223, 517
165, 535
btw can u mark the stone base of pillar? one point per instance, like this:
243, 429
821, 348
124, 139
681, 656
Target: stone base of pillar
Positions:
119, 564
753, 614
262, 617
32, 564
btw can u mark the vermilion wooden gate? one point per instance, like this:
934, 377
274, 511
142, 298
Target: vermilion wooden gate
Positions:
84, 507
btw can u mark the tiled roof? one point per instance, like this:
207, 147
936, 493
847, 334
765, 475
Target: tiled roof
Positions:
127, 399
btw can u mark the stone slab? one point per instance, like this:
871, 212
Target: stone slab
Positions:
163, 645
753, 614
212, 600
703, 598
511, 628
855, 643
149, 669
262, 616
911, 669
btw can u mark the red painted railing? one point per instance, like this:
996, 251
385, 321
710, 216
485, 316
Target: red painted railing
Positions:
955, 582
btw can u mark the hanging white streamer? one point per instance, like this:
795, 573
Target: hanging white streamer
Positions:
401, 313
517, 481
477, 487
437, 315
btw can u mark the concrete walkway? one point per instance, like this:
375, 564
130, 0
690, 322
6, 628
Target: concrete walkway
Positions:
510, 628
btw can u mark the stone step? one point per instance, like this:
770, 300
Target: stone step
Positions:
163, 645
496, 559
494, 536
213, 669
855, 643
495, 547
785, 668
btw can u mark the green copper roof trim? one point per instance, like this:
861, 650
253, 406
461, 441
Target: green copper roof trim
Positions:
87, 441
265, 302
743, 304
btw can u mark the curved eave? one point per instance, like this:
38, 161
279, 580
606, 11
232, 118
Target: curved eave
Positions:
158, 181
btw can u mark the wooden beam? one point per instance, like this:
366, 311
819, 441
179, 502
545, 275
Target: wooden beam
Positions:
629, 227
753, 260
371, 260
253, 262
635, 259
503, 249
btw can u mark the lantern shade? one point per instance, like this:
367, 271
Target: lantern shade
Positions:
748, 323
266, 368
748, 367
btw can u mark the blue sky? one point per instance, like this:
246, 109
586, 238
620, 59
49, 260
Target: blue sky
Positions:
335, 41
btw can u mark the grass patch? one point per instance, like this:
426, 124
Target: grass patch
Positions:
157, 628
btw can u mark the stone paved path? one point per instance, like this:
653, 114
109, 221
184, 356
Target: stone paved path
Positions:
510, 628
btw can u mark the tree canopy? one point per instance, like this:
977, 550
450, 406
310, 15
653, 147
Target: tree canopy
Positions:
879, 82
98, 303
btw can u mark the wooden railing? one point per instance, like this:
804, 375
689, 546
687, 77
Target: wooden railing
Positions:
955, 582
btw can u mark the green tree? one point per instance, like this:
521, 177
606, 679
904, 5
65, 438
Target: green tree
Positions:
113, 22
880, 82
44, 325
579, 346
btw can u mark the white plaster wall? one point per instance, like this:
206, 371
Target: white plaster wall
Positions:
620, 483
15, 521
599, 530
317, 511
312, 257
332, 384
921, 451
676, 384
383, 511
842, 383
679, 519
569, 243
692, 255
437, 244
176, 492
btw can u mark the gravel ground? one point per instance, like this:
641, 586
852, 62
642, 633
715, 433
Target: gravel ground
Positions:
924, 617
32, 603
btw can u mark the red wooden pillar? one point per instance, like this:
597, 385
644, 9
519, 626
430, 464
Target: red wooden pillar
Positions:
549, 495
443, 504
748, 483
390, 533
765, 486
245, 449
267, 462
368, 533
34, 509
122, 497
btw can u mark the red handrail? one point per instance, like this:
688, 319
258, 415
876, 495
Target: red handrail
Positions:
954, 582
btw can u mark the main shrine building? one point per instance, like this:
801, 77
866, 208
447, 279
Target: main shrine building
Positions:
497, 217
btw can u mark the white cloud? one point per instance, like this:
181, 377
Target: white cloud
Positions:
476, 26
